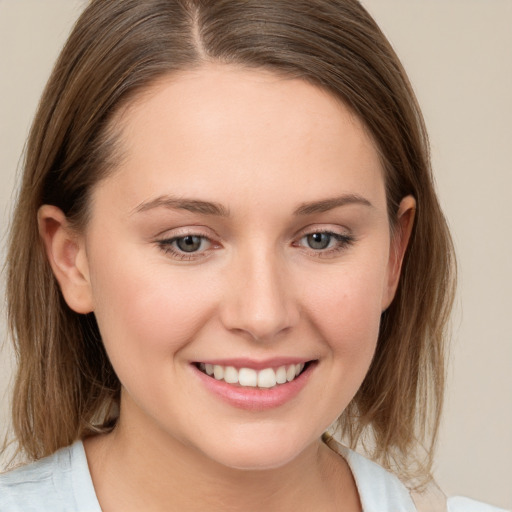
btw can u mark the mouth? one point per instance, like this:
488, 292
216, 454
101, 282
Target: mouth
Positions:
245, 377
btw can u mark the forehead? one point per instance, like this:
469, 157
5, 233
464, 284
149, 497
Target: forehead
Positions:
218, 128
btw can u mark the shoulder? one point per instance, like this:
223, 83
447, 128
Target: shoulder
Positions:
379, 490
35, 486
462, 504
58, 483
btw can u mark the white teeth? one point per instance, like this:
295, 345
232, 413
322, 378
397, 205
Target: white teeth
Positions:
218, 372
281, 375
230, 375
266, 378
248, 377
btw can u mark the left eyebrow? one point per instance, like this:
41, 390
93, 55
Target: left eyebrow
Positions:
329, 204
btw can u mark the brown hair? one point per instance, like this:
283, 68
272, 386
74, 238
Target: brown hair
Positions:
65, 386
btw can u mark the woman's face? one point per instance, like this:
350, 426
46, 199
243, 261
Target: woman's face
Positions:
245, 231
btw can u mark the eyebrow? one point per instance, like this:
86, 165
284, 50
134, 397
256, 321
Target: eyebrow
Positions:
191, 205
213, 208
329, 204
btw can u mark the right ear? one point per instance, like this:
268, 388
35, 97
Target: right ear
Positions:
65, 250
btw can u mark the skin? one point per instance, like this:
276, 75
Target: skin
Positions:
261, 146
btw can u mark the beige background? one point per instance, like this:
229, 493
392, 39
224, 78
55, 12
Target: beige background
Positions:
459, 56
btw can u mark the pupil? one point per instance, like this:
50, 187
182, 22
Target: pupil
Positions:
189, 243
319, 240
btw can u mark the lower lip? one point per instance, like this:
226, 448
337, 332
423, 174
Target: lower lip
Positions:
256, 399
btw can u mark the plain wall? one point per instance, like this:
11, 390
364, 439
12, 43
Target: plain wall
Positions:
458, 54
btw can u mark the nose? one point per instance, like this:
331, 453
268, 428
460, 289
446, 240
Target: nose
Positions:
259, 299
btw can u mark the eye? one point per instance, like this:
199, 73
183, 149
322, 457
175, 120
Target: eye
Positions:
189, 243
319, 241
325, 243
186, 247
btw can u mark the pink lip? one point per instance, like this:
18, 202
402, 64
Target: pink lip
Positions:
255, 399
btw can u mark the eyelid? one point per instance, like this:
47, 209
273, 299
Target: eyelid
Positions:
189, 229
324, 228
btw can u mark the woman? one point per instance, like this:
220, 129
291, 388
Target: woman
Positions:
226, 240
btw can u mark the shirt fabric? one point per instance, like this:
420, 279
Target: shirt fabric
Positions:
62, 483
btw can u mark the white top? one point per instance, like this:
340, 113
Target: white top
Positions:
62, 483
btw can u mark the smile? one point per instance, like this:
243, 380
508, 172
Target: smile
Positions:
255, 386
265, 378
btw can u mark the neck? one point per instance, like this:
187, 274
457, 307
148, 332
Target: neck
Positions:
141, 470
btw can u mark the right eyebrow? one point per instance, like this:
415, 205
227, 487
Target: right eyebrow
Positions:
178, 203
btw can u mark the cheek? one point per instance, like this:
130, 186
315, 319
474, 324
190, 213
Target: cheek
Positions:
343, 310
144, 311
345, 307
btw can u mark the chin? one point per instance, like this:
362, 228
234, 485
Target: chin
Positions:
257, 454
257, 462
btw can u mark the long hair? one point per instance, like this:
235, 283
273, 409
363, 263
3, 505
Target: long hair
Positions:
65, 387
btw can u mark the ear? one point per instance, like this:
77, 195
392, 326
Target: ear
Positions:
400, 239
66, 254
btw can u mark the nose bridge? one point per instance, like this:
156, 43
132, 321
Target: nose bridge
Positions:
259, 299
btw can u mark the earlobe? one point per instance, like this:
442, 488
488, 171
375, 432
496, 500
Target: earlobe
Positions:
400, 240
66, 254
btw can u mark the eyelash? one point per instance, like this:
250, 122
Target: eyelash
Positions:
342, 242
168, 247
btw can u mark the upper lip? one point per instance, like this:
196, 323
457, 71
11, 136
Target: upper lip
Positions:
241, 362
